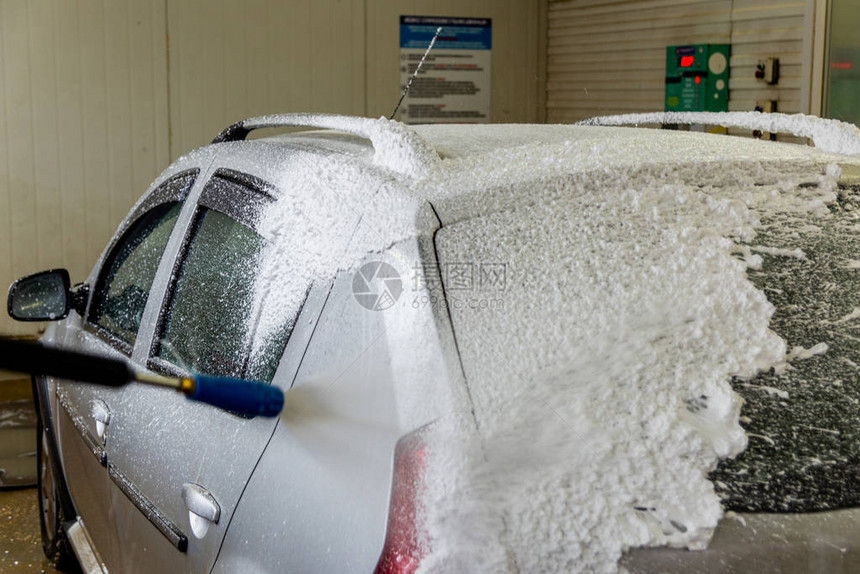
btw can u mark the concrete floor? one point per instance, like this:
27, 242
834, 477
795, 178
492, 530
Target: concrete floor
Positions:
17, 431
20, 539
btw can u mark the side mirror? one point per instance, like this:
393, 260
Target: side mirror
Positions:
43, 296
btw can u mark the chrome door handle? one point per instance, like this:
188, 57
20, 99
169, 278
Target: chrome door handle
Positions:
203, 509
101, 414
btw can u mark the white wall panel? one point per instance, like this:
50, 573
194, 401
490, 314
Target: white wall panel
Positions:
230, 60
83, 128
6, 236
19, 192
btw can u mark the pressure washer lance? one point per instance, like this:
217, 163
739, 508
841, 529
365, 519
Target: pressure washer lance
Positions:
234, 395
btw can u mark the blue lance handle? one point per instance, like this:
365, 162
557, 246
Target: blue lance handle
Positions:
237, 395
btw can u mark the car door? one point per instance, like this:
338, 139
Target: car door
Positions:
120, 292
181, 466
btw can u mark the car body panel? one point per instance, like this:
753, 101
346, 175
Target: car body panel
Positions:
309, 491
216, 447
86, 470
160, 441
86, 475
368, 378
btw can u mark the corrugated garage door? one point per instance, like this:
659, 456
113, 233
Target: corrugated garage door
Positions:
763, 28
609, 56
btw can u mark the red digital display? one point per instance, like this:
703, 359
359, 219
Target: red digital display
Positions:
686, 61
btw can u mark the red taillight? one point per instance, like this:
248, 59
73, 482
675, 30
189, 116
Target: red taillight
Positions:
405, 543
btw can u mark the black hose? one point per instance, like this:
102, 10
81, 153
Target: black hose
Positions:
36, 359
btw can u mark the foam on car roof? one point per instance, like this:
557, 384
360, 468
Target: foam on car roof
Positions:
397, 147
827, 134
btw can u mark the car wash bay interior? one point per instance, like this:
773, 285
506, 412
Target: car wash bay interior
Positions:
97, 97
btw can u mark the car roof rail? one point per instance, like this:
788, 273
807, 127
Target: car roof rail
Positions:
396, 146
828, 135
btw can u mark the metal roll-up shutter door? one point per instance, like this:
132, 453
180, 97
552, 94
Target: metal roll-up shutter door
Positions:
609, 56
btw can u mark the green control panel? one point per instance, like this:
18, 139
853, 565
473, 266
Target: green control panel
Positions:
697, 78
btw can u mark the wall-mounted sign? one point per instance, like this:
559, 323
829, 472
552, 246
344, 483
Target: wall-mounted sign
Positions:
453, 85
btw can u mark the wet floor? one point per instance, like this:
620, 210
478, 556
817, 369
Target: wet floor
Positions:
20, 539
17, 431
17, 443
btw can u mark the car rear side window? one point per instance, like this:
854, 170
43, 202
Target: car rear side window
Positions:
212, 319
123, 286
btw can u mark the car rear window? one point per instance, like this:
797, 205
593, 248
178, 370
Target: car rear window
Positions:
554, 306
803, 423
